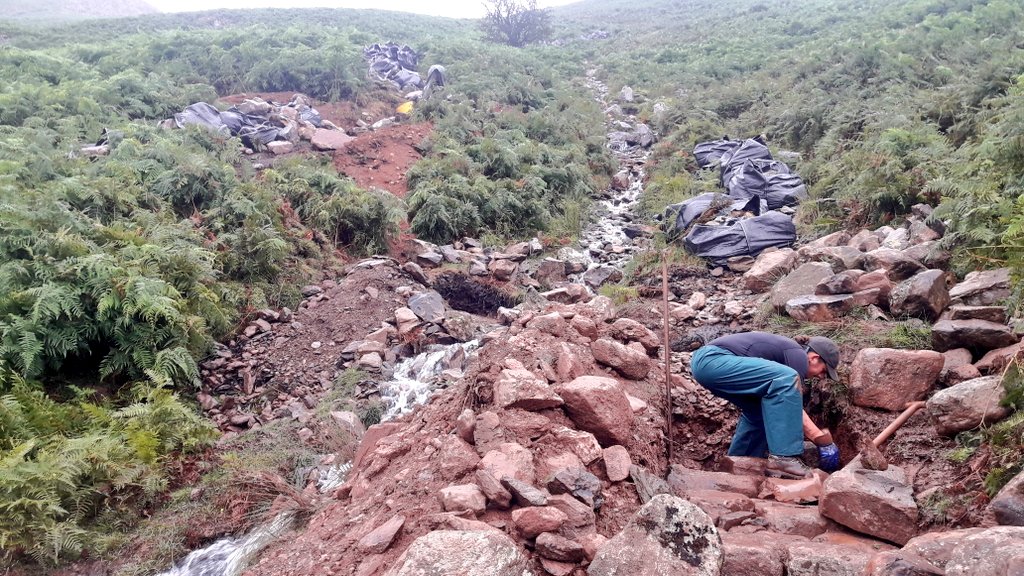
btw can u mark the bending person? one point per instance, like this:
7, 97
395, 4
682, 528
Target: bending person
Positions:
762, 375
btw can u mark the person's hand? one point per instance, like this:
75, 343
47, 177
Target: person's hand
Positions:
823, 439
828, 457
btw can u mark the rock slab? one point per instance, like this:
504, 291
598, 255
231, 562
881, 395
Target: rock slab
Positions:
887, 378
874, 502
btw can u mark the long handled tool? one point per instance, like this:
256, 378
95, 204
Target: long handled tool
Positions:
870, 456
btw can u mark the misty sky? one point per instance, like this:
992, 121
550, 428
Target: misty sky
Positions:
450, 8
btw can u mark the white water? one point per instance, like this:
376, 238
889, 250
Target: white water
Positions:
415, 378
412, 384
229, 556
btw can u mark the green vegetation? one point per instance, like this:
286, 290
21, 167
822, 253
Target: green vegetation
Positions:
118, 273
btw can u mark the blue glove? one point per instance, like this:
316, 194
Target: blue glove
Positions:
828, 458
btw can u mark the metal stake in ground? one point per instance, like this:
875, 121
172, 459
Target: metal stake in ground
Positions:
668, 354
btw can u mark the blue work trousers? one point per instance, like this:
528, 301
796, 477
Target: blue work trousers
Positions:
766, 394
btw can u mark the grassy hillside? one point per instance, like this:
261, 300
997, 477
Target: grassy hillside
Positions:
68, 10
118, 273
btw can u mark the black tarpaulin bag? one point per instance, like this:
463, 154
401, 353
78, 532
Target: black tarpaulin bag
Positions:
707, 153
682, 215
746, 237
202, 114
768, 179
751, 149
250, 129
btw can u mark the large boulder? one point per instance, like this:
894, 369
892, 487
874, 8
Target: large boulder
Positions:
761, 554
968, 404
875, 279
879, 503
937, 547
799, 282
994, 552
888, 379
479, 553
769, 267
520, 388
599, 406
922, 296
1008, 505
668, 535
324, 139
978, 335
627, 330
982, 288
995, 314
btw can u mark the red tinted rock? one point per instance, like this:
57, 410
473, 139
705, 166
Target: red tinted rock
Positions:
897, 265
876, 279
743, 466
598, 405
583, 444
377, 541
580, 518
922, 296
806, 490
937, 547
792, 519
465, 497
511, 460
535, 520
520, 388
682, 479
899, 563
487, 433
556, 568
1008, 505
874, 502
492, 489
799, 282
625, 360
993, 552
591, 544
627, 330
617, 463
465, 425
762, 554
819, 308
559, 548
995, 314
585, 327
887, 378
502, 269
717, 504
995, 360
552, 324
982, 288
974, 334
523, 493
373, 435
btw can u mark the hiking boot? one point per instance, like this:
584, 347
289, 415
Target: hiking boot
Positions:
786, 467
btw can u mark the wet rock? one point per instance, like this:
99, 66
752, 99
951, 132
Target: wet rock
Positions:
597, 405
800, 282
535, 520
601, 275
377, 541
982, 288
489, 553
994, 552
816, 558
768, 268
878, 503
1008, 505
922, 296
968, 404
888, 379
897, 265
464, 497
628, 361
520, 388
819, 308
977, 335
616, 463
668, 535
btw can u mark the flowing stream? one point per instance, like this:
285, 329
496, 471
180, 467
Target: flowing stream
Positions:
413, 382
614, 237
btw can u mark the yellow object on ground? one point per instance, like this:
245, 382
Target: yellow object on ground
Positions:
404, 108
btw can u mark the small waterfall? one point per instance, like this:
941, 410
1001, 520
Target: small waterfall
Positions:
413, 382
414, 378
229, 556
